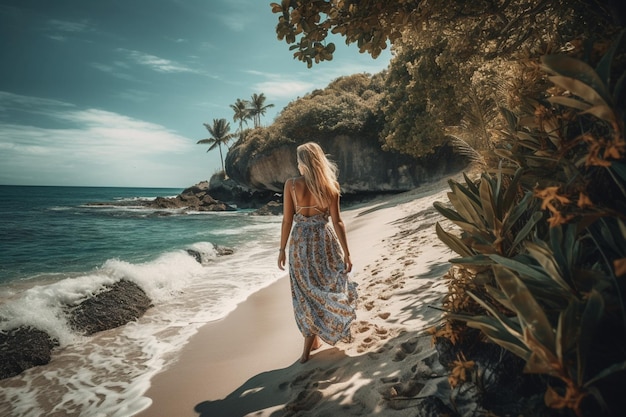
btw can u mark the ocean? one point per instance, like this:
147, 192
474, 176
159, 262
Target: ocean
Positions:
57, 248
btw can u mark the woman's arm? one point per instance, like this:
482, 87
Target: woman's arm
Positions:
340, 229
288, 212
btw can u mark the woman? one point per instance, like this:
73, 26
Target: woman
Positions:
319, 259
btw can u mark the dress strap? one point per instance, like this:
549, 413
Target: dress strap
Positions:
295, 200
293, 192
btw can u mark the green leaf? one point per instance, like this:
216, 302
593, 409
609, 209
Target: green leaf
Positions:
497, 334
602, 112
616, 367
579, 89
576, 69
453, 242
495, 330
567, 330
544, 257
487, 200
529, 226
521, 268
592, 315
464, 209
446, 212
477, 260
467, 199
569, 102
511, 192
512, 327
530, 313
470, 185
499, 296
510, 118
603, 69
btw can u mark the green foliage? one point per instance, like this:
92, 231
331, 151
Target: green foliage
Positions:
242, 113
546, 248
220, 135
257, 108
492, 27
348, 105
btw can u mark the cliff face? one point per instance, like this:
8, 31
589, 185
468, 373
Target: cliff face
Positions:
363, 166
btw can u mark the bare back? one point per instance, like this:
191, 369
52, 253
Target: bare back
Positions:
304, 201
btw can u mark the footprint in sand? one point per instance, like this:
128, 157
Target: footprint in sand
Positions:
405, 349
305, 401
363, 326
407, 389
384, 316
380, 332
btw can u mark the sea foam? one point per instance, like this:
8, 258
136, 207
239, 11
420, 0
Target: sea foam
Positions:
106, 374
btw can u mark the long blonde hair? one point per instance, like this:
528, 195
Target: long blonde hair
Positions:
320, 174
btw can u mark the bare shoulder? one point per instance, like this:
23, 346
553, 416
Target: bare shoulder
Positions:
297, 181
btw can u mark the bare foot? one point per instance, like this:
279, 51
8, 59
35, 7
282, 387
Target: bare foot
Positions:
308, 344
317, 343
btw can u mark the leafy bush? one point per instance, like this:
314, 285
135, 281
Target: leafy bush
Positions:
543, 237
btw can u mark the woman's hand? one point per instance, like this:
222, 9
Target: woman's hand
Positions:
348, 263
281, 259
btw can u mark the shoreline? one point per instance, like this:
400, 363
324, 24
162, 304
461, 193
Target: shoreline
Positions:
247, 363
245, 340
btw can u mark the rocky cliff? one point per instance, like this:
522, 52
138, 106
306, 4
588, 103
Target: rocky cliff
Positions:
363, 166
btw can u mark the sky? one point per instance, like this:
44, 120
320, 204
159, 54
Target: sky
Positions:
115, 92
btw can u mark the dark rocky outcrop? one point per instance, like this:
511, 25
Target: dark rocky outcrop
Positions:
23, 348
230, 191
363, 166
117, 305
273, 208
194, 198
219, 250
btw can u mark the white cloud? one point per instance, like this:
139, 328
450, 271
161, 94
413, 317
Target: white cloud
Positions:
156, 63
67, 26
100, 148
116, 70
62, 30
162, 65
284, 89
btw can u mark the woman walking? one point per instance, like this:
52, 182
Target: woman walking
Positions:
319, 258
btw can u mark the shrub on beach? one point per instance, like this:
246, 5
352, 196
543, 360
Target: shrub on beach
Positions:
542, 239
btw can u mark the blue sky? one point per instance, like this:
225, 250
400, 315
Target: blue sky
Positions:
115, 92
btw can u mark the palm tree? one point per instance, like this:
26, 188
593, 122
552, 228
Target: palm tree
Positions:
258, 108
242, 112
220, 134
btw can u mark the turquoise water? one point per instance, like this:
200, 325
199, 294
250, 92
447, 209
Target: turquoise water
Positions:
48, 230
58, 249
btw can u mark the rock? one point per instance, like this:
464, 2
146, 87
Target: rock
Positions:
228, 190
23, 348
199, 188
220, 251
272, 208
223, 250
117, 305
194, 198
363, 166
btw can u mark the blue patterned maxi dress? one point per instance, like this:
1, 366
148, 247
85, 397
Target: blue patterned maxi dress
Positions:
323, 297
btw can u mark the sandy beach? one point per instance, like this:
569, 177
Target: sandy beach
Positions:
247, 364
